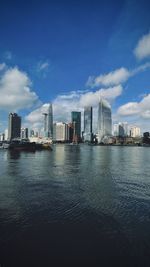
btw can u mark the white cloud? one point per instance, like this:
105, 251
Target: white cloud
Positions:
115, 77
15, 90
92, 98
42, 66
142, 49
129, 109
142, 108
73, 101
112, 78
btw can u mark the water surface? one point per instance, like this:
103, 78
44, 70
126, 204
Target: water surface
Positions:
75, 206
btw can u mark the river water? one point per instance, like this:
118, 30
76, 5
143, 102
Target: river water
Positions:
75, 206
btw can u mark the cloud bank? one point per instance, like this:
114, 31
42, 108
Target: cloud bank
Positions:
142, 50
15, 90
142, 108
116, 77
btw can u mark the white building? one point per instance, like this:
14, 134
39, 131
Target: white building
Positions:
60, 132
135, 131
6, 134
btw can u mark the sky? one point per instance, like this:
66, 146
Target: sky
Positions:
71, 53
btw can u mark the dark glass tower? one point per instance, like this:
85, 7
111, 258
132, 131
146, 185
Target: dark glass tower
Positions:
76, 121
14, 126
50, 121
88, 124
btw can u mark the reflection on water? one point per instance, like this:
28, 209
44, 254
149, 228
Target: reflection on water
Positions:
77, 206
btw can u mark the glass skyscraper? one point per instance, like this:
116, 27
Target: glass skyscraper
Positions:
14, 126
76, 121
104, 120
88, 124
48, 122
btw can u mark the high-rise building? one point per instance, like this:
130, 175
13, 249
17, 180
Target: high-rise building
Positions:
104, 120
76, 121
24, 133
48, 122
135, 131
60, 132
88, 124
14, 126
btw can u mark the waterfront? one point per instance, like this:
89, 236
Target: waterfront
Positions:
77, 205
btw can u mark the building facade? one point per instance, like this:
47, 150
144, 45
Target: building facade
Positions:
104, 120
76, 121
60, 132
14, 126
24, 133
135, 131
88, 116
48, 122
120, 129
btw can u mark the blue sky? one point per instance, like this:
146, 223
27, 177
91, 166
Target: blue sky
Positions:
69, 53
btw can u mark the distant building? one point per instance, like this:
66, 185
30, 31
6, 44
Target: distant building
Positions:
88, 115
48, 122
76, 121
31, 133
14, 126
6, 134
2, 137
146, 138
120, 129
60, 132
70, 129
135, 131
24, 133
104, 120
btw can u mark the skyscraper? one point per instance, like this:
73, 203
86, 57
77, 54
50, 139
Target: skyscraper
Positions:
104, 120
76, 121
60, 132
24, 133
48, 122
14, 126
88, 124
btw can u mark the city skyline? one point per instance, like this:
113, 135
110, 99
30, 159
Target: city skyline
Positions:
85, 51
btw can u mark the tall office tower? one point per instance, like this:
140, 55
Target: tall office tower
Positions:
104, 120
88, 111
14, 126
48, 122
76, 121
60, 132
125, 127
24, 133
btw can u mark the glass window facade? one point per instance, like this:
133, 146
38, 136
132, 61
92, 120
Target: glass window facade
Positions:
104, 120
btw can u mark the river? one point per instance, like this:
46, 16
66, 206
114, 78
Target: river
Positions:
75, 206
